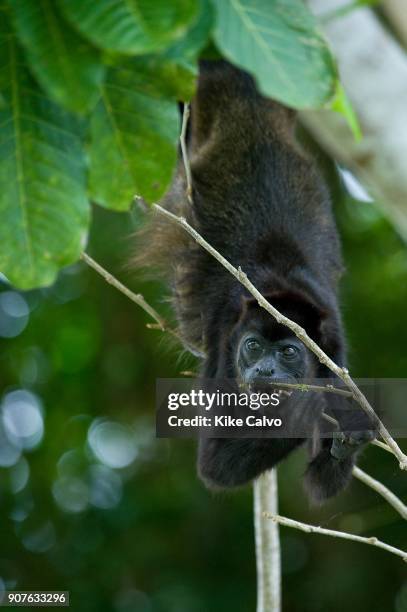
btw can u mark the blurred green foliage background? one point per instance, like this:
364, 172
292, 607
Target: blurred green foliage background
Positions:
92, 503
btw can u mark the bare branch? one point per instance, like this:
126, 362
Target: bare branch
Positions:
382, 445
138, 299
134, 297
342, 373
388, 495
287, 522
182, 139
267, 544
141, 203
305, 387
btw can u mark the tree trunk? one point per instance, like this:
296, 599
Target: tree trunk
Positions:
373, 68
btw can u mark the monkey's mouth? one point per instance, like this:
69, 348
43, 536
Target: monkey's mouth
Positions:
284, 385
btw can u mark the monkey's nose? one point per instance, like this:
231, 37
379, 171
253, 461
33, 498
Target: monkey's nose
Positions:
265, 372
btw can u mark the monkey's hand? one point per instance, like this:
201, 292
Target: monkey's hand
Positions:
345, 445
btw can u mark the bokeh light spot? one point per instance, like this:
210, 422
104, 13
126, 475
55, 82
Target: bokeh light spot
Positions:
71, 494
14, 314
112, 443
39, 539
22, 419
105, 488
19, 475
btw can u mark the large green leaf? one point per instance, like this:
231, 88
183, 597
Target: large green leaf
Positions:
161, 76
65, 64
43, 207
130, 26
139, 112
278, 42
174, 73
134, 132
197, 36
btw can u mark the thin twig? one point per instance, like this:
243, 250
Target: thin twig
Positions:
141, 203
373, 541
342, 373
382, 445
327, 417
138, 299
388, 495
182, 139
134, 297
267, 544
306, 387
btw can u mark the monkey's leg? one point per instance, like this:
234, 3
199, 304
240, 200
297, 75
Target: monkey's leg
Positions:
224, 462
331, 469
326, 474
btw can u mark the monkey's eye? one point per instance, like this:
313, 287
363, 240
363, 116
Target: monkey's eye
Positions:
252, 344
289, 352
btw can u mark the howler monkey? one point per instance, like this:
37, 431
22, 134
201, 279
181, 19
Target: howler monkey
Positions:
259, 200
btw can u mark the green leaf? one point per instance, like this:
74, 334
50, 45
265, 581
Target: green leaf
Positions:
130, 26
134, 133
196, 38
184, 52
342, 105
277, 41
160, 76
173, 74
43, 204
67, 66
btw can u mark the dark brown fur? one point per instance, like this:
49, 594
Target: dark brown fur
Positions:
259, 200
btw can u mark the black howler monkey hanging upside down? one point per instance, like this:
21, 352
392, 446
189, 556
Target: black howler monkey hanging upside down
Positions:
259, 200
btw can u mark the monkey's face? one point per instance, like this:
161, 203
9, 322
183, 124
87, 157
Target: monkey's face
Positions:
260, 359
265, 351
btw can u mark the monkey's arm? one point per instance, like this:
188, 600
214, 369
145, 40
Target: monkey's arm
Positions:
226, 462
